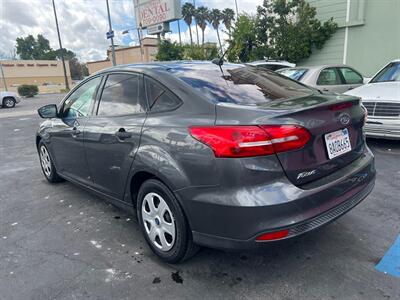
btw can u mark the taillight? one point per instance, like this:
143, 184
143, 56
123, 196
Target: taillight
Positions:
247, 141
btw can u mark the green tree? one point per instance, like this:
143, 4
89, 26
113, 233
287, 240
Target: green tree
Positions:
31, 48
201, 16
168, 50
244, 45
291, 29
26, 46
188, 11
215, 18
228, 16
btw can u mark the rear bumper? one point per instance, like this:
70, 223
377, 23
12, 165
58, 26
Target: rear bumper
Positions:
383, 128
298, 210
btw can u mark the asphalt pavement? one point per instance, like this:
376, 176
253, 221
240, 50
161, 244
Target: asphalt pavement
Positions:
61, 242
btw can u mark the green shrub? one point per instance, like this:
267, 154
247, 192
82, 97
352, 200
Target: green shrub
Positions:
28, 90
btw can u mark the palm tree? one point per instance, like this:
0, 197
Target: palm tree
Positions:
215, 18
188, 12
201, 16
228, 16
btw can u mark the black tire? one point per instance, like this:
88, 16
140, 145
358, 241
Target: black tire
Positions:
183, 247
8, 102
50, 173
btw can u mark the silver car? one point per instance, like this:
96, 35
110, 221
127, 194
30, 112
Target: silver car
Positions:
8, 99
381, 97
327, 78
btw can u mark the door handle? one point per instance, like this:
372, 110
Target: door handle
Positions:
75, 132
122, 134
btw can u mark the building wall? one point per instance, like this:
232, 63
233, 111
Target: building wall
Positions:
373, 34
37, 72
372, 45
127, 55
95, 66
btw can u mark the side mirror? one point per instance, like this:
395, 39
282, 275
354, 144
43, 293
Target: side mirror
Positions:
48, 111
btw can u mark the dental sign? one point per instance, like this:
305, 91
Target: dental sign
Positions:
151, 12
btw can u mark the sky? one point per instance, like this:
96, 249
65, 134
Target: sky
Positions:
83, 23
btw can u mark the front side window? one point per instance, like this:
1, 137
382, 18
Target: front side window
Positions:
350, 76
159, 98
120, 96
390, 73
328, 76
79, 102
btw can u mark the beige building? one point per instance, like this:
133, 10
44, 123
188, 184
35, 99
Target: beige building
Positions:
48, 75
127, 55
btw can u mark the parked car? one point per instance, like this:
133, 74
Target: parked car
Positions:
328, 78
8, 99
272, 65
381, 97
225, 158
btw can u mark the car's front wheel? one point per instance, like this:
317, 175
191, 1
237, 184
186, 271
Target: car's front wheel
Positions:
163, 223
48, 168
8, 102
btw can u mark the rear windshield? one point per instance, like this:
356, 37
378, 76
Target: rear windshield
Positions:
295, 74
247, 85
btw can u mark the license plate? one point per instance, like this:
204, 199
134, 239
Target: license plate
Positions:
337, 143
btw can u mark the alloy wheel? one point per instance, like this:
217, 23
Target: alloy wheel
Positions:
45, 161
8, 103
159, 222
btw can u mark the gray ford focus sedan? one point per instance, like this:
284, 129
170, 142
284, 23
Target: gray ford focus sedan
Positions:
227, 156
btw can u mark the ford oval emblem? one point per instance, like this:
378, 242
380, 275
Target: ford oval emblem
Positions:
344, 119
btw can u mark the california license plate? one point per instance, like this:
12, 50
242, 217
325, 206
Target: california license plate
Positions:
337, 143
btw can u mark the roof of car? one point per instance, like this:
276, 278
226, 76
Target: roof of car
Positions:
272, 62
317, 67
165, 65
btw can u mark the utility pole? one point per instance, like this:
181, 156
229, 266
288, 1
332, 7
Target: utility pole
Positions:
237, 9
61, 48
2, 76
112, 38
179, 30
195, 22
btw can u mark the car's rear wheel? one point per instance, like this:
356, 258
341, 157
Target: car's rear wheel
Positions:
48, 168
8, 102
163, 223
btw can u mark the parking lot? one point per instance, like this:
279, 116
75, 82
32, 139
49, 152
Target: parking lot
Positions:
61, 242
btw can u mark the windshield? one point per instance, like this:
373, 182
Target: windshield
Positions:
389, 73
295, 74
247, 85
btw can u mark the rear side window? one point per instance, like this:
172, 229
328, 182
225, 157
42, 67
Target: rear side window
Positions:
246, 85
121, 96
160, 99
350, 76
328, 76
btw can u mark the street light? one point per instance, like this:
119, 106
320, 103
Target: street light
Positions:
2, 76
111, 32
61, 48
